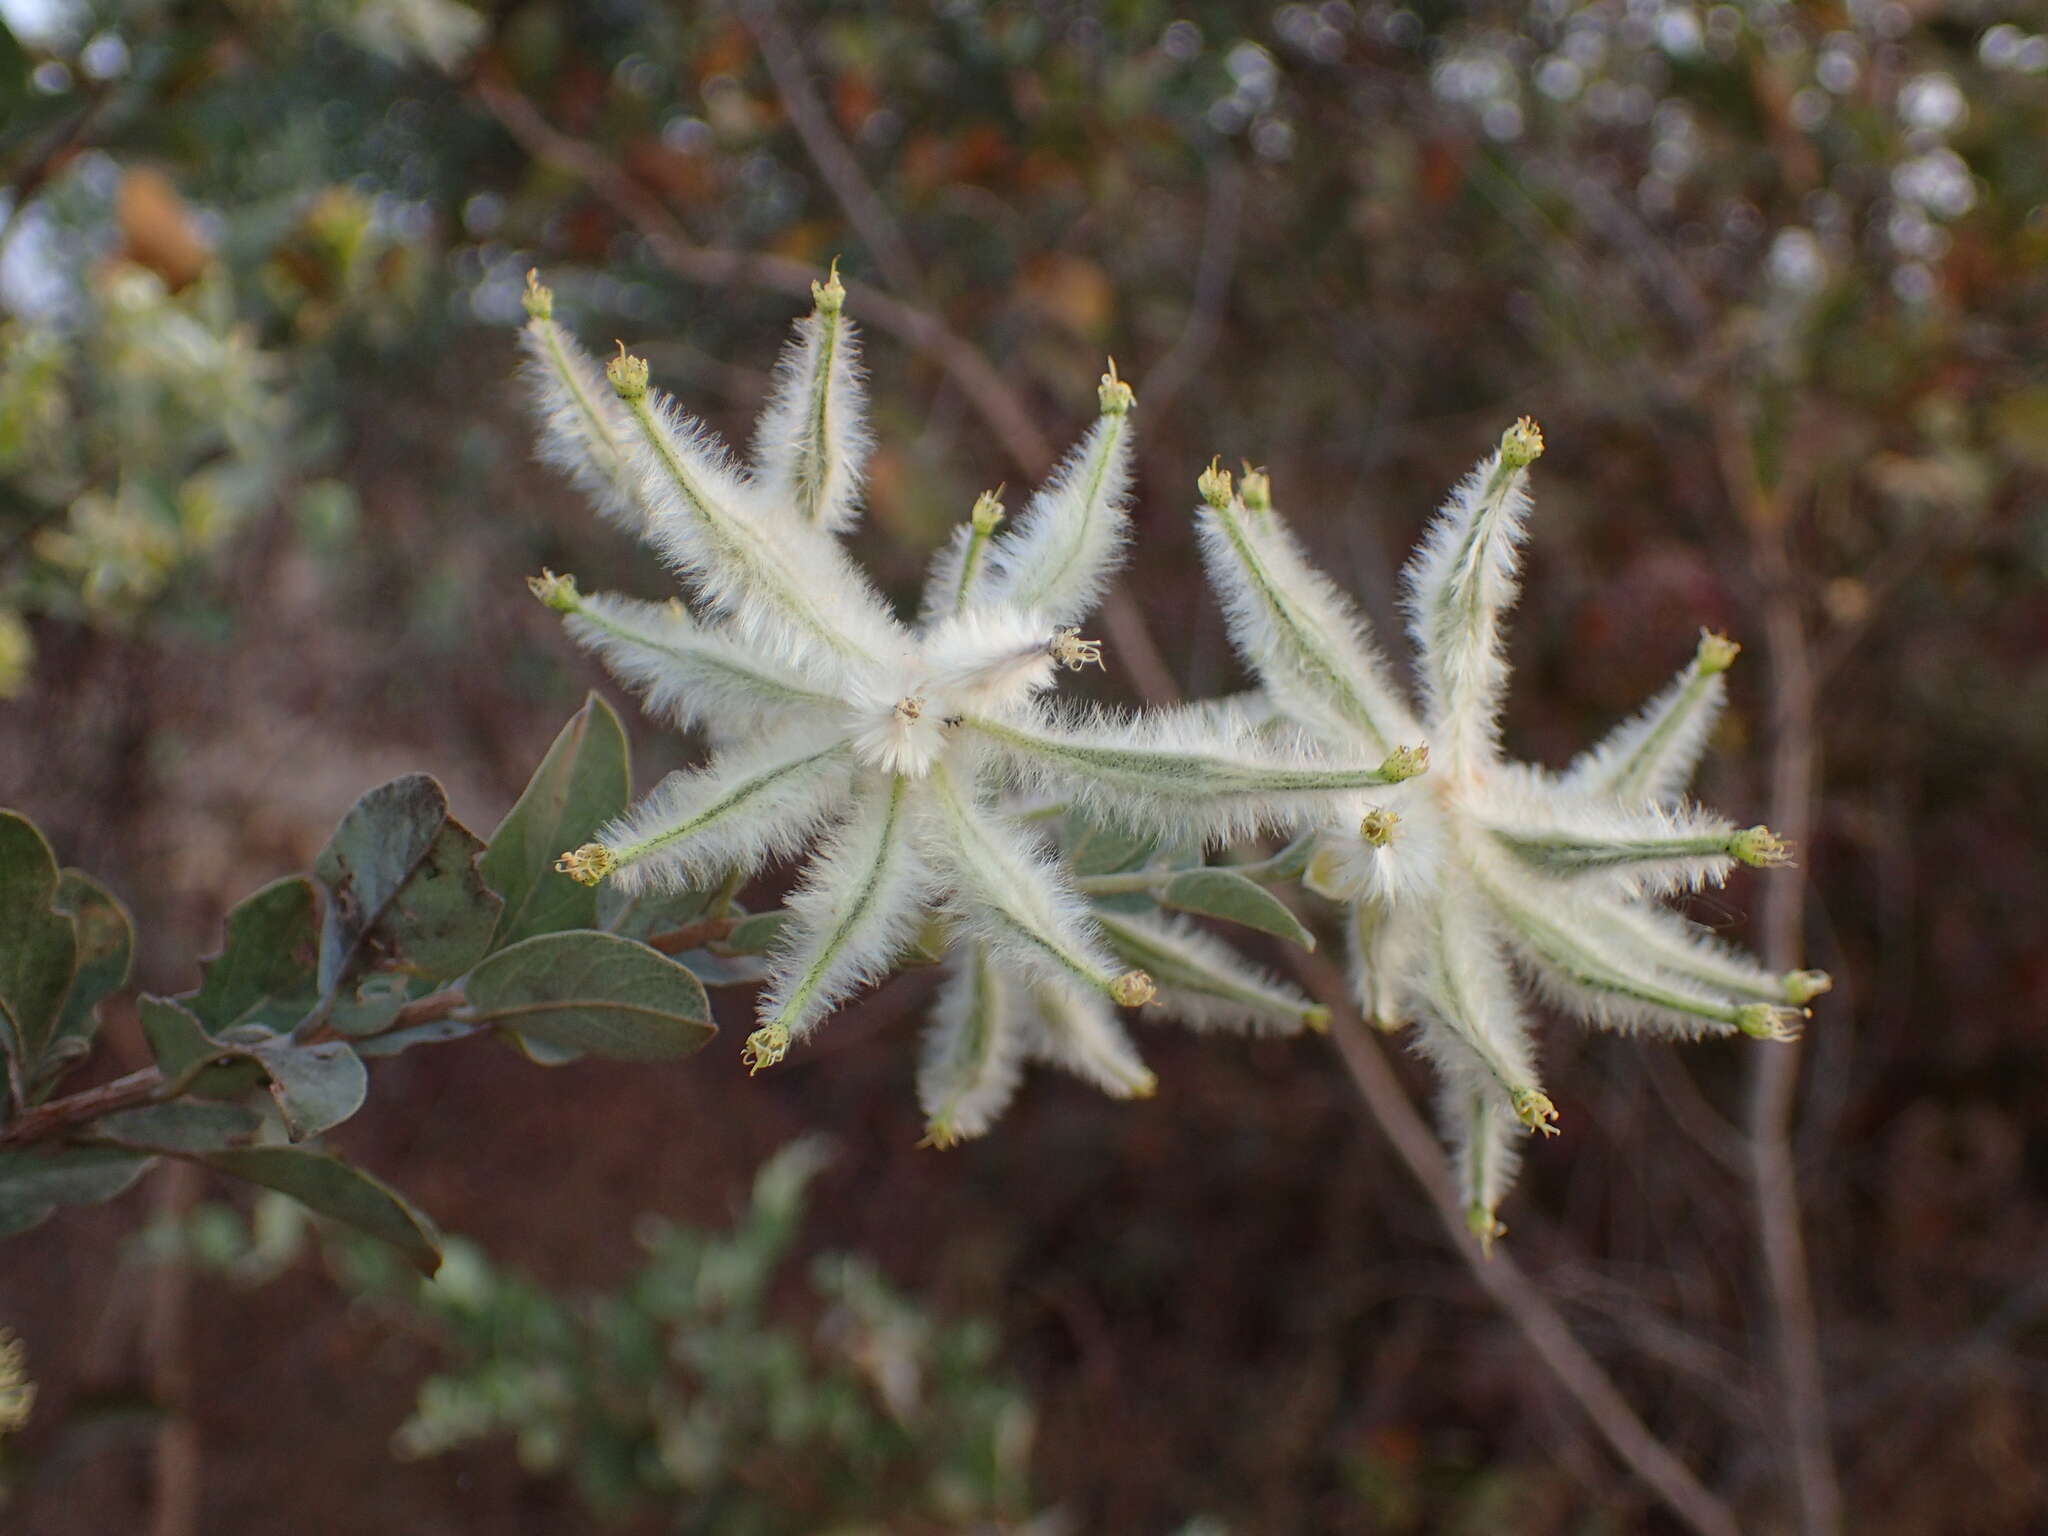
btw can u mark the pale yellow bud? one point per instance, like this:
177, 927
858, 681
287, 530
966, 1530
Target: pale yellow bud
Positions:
557, 592
1133, 989
830, 295
1522, 444
1717, 653
1113, 395
1534, 1109
628, 375
987, 515
1256, 490
539, 301
587, 865
764, 1048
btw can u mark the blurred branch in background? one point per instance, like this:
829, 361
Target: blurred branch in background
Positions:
1497, 1274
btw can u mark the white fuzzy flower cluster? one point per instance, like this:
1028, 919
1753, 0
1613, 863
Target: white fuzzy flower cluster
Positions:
905, 755
1486, 868
888, 749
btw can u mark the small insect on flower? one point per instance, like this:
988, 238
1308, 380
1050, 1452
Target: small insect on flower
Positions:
886, 748
1488, 869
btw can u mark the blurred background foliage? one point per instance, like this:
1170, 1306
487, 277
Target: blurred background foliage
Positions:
1771, 275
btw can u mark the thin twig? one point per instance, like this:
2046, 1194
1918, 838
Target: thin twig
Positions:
1539, 1323
167, 1347
828, 151
147, 1085
1213, 271
998, 405
1774, 1074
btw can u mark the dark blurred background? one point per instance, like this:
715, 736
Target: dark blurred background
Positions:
1771, 276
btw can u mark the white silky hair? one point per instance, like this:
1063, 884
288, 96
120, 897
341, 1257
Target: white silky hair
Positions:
1204, 776
1514, 809
812, 443
1058, 554
751, 804
1470, 1015
1682, 948
855, 908
972, 1057
1495, 867
1584, 960
1460, 580
584, 430
1486, 1140
1304, 639
941, 597
1202, 981
691, 674
1009, 891
991, 658
777, 580
1383, 947
1079, 1032
894, 727
1348, 866
1685, 711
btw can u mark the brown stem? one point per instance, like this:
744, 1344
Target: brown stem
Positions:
167, 1347
692, 935
828, 151
145, 1086
1539, 1323
47, 1120
1774, 1074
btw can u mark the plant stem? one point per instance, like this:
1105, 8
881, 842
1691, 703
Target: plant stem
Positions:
146, 1086
1532, 1313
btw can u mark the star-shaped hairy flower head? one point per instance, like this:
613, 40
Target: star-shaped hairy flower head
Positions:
1489, 867
882, 747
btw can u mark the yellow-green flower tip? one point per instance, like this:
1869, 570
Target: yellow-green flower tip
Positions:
557, 592
1522, 444
764, 1048
1759, 848
987, 515
627, 374
1113, 395
1068, 649
1768, 1021
1405, 763
1133, 989
1387, 1023
1214, 484
1316, 1019
1717, 653
1802, 987
539, 301
1378, 826
1144, 1087
1534, 1109
941, 1134
830, 295
587, 865
1256, 490
1485, 1226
